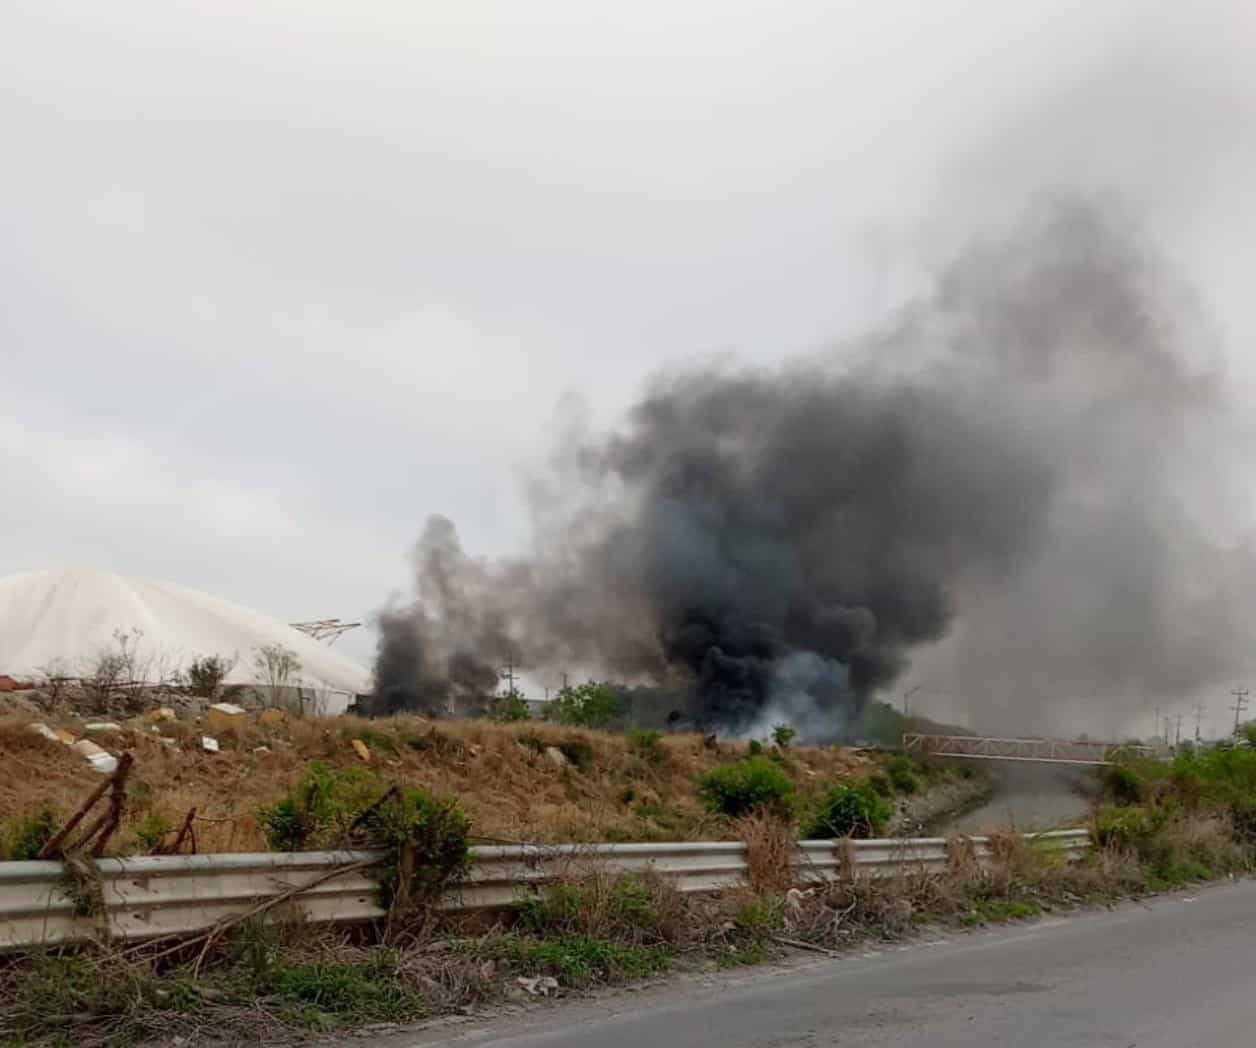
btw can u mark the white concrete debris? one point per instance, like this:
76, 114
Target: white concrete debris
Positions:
101, 760
209, 745
40, 728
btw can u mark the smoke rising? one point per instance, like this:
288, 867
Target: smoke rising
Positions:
1014, 468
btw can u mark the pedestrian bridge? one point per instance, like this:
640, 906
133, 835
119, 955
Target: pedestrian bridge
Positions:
1040, 751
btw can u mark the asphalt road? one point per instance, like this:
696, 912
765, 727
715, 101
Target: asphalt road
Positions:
1178, 972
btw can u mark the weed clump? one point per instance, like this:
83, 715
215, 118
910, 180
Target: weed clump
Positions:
577, 961
23, 837
902, 774
324, 992
648, 745
760, 916
627, 908
737, 789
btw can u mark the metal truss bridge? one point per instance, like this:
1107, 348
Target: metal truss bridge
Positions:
1040, 751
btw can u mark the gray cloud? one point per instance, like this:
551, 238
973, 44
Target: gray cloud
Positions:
245, 249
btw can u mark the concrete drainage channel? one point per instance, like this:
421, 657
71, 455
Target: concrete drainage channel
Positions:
162, 895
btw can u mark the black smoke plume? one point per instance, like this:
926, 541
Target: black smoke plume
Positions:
1015, 467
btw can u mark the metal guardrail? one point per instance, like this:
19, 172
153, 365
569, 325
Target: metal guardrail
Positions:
1042, 751
161, 895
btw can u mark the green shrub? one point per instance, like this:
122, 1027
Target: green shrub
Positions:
1123, 784
424, 839
783, 734
754, 748
850, 810
509, 707
588, 705
1123, 827
324, 803
648, 745
902, 774
753, 782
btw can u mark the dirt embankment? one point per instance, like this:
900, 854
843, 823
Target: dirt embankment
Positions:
949, 793
520, 782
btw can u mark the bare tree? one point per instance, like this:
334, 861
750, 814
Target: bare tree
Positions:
56, 676
278, 667
105, 674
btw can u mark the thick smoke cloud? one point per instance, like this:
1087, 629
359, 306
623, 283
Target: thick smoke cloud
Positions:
1004, 466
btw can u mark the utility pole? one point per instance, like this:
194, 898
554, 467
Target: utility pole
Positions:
508, 671
1156, 734
908, 694
1199, 714
1177, 739
1239, 707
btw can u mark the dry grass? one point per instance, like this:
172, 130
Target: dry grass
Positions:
501, 774
770, 849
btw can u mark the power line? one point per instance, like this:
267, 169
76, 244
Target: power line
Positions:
325, 629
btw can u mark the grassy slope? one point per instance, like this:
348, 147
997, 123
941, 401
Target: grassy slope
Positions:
508, 785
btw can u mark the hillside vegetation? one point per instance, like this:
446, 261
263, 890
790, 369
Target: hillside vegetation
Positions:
526, 781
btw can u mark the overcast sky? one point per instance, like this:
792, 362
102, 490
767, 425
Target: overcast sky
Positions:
279, 280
